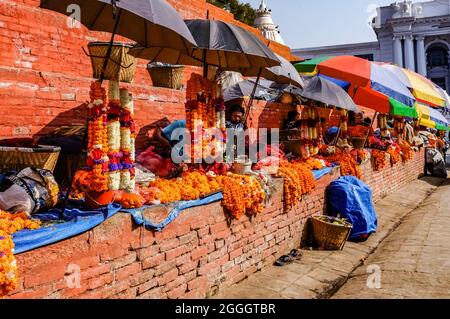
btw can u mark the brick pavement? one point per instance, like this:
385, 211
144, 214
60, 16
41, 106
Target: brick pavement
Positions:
318, 274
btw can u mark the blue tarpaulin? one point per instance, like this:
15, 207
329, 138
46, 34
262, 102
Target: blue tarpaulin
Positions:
352, 199
321, 173
78, 220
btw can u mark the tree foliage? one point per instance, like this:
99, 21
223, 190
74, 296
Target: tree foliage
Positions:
242, 12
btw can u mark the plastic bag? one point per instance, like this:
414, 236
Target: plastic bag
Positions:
40, 187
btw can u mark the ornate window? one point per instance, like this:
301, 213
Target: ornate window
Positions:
437, 56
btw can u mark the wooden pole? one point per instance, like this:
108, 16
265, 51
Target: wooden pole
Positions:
252, 97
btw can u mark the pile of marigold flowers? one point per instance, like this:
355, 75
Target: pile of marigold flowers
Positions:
315, 164
298, 181
9, 224
379, 159
242, 194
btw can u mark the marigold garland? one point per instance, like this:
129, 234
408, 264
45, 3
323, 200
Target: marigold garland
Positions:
298, 181
394, 154
407, 152
9, 224
379, 159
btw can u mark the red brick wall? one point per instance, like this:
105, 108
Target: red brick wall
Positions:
391, 178
45, 76
193, 257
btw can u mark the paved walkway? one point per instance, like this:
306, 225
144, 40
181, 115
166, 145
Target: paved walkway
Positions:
414, 261
318, 274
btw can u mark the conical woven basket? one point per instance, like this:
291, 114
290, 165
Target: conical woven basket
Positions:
121, 66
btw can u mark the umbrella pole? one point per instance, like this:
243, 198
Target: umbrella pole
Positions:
370, 128
252, 97
111, 42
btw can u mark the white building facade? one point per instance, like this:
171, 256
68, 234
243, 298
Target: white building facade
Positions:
412, 35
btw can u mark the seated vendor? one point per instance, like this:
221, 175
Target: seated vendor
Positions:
292, 121
330, 135
166, 137
236, 118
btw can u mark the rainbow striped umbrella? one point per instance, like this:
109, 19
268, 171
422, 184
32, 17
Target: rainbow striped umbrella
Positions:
432, 118
423, 89
372, 85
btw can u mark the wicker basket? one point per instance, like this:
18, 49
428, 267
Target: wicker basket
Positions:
358, 142
121, 66
166, 76
329, 236
44, 157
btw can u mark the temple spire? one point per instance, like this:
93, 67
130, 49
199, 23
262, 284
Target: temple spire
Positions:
265, 24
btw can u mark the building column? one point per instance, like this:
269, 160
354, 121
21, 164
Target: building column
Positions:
409, 53
398, 51
421, 56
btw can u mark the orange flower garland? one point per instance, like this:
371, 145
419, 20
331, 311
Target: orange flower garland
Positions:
9, 224
395, 156
407, 152
379, 159
298, 181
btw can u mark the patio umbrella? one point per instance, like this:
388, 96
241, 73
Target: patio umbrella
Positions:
371, 85
322, 90
422, 89
152, 23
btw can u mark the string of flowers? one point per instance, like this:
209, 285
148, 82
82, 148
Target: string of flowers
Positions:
114, 154
98, 160
9, 224
127, 142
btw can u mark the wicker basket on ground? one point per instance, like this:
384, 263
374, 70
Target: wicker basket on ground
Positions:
330, 233
166, 76
44, 157
121, 66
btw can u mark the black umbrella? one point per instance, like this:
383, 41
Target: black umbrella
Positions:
285, 73
245, 88
152, 23
322, 90
228, 46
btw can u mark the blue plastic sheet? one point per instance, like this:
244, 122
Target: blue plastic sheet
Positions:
352, 199
77, 221
176, 211
318, 174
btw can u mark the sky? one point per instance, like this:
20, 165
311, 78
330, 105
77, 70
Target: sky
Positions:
311, 23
